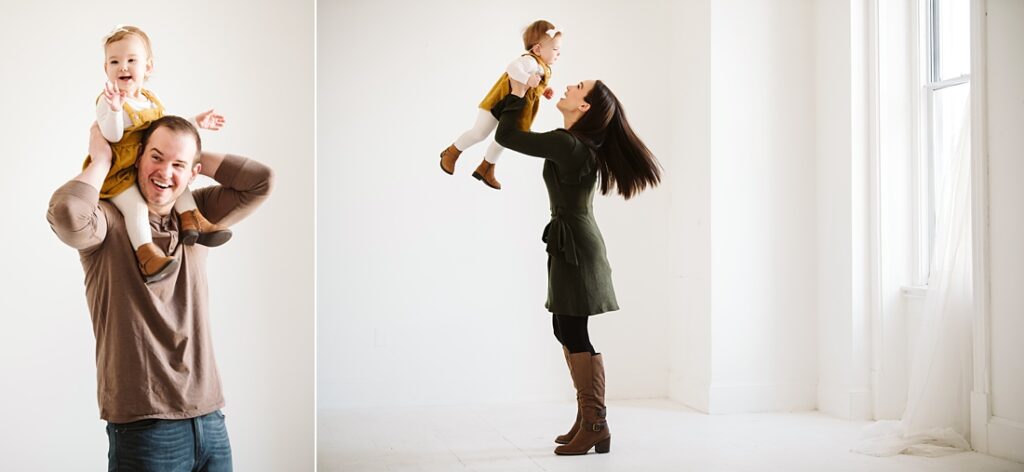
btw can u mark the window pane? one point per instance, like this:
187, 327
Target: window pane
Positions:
950, 109
954, 37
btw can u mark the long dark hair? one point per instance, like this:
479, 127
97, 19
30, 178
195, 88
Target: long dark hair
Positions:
623, 160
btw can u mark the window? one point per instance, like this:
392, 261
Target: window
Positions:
946, 89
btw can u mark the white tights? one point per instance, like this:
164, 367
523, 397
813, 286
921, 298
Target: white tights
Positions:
136, 213
485, 124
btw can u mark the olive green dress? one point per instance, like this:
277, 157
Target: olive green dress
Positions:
579, 277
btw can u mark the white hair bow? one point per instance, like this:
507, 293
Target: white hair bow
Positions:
552, 32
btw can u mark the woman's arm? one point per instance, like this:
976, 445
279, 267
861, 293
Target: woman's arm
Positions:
554, 145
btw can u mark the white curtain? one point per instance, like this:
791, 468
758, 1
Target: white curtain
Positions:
936, 420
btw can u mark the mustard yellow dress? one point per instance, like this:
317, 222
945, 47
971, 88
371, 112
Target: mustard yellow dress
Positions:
126, 151
502, 88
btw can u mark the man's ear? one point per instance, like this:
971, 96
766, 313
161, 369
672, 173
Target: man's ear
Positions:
196, 169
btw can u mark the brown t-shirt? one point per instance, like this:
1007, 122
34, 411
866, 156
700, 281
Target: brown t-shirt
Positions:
154, 353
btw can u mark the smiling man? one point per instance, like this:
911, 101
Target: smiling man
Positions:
158, 385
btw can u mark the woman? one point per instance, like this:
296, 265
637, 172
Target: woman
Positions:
597, 143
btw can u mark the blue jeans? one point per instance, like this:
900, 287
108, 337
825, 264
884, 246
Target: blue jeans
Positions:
194, 445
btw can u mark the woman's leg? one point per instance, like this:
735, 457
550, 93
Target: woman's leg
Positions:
573, 333
587, 370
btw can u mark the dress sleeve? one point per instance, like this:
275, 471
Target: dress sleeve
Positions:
522, 68
554, 145
111, 122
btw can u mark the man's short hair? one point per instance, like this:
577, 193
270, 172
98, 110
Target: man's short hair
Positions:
175, 124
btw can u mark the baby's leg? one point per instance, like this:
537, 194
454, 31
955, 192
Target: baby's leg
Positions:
195, 228
136, 216
153, 263
493, 152
485, 123
185, 202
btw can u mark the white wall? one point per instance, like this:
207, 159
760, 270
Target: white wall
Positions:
253, 62
1005, 106
833, 147
762, 207
690, 324
431, 287
744, 213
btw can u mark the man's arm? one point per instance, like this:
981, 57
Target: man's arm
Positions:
244, 185
74, 213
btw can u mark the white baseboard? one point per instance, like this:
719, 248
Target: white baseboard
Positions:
841, 402
979, 421
757, 398
692, 395
1005, 439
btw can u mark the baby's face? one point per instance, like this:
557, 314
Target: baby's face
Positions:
127, 65
549, 49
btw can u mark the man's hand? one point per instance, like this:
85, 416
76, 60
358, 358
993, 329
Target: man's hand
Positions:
99, 148
101, 157
548, 93
210, 120
113, 96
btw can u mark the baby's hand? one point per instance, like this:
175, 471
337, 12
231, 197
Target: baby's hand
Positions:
210, 120
548, 93
113, 96
533, 81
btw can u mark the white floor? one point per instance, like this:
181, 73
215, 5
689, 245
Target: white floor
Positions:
647, 435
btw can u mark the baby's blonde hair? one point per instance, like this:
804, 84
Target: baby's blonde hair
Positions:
122, 31
537, 32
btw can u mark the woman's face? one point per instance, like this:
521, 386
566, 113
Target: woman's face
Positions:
573, 98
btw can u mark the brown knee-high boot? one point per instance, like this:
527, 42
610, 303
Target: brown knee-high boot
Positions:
565, 438
588, 375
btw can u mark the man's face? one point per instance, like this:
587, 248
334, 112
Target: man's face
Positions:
166, 167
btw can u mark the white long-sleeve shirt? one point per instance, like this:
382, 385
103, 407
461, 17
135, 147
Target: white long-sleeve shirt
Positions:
523, 67
113, 123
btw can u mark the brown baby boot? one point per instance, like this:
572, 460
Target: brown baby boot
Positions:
154, 264
588, 375
448, 158
485, 173
196, 229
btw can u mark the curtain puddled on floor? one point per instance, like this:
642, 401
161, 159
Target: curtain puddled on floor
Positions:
936, 420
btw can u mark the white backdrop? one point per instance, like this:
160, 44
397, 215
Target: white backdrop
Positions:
431, 287
253, 61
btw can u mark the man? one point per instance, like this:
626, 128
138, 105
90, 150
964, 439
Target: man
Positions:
158, 385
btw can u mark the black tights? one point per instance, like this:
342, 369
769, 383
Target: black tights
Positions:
571, 331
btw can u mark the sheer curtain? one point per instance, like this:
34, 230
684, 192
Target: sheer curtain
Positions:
936, 420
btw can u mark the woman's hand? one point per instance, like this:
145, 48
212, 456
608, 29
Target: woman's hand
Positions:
519, 89
210, 120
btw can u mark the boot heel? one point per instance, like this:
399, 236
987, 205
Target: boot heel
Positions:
189, 237
603, 447
477, 176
